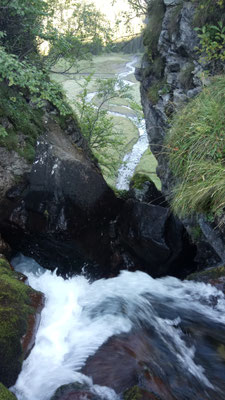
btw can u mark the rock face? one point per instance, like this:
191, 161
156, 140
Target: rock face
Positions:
20, 308
156, 238
180, 80
61, 211
11, 166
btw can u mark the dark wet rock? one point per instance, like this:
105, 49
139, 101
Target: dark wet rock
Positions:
215, 276
5, 248
156, 237
75, 391
126, 364
12, 168
20, 308
61, 216
143, 189
181, 70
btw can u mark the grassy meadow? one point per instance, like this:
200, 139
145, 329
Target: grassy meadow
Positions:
103, 67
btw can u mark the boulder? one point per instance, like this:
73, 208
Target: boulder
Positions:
60, 215
156, 237
20, 308
74, 391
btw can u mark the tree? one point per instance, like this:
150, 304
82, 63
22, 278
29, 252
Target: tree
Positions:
97, 125
138, 8
82, 31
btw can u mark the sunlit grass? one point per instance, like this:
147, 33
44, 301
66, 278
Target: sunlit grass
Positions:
196, 144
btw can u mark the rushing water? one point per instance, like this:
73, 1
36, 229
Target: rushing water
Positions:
184, 325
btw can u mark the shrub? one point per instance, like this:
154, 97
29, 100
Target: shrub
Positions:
208, 12
212, 44
197, 153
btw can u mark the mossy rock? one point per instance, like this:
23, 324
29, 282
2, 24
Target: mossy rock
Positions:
208, 274
138, 180
134, 393
15, 309
5, 394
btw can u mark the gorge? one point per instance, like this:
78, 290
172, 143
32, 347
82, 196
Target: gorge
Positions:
131, 295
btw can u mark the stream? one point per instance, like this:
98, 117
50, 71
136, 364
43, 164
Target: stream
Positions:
174, 330
131, 159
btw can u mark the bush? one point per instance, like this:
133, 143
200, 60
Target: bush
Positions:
208, 12
197, 153
212, 44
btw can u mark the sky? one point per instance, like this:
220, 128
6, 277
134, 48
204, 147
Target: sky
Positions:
112, 12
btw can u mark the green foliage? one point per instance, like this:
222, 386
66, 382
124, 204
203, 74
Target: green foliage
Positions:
19, 117
22, 22
197, 153
212, 42
36, 81
84, 33
139, 179
97, 126
155, 88
208, 12
5, 394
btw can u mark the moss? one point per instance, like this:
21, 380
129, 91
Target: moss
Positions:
15, 307
24, 122
155, 88
5, 394
135, 393
196, 233
157, 67
121, 194
138, 180
186, 76
211, 273
173, 22
153, 29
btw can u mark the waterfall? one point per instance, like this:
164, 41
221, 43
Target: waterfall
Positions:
79, 316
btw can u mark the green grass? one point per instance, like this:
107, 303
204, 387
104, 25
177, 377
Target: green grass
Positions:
197, 153
109, 65
147, 167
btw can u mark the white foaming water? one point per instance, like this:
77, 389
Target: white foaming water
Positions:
132, 159
80, 316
